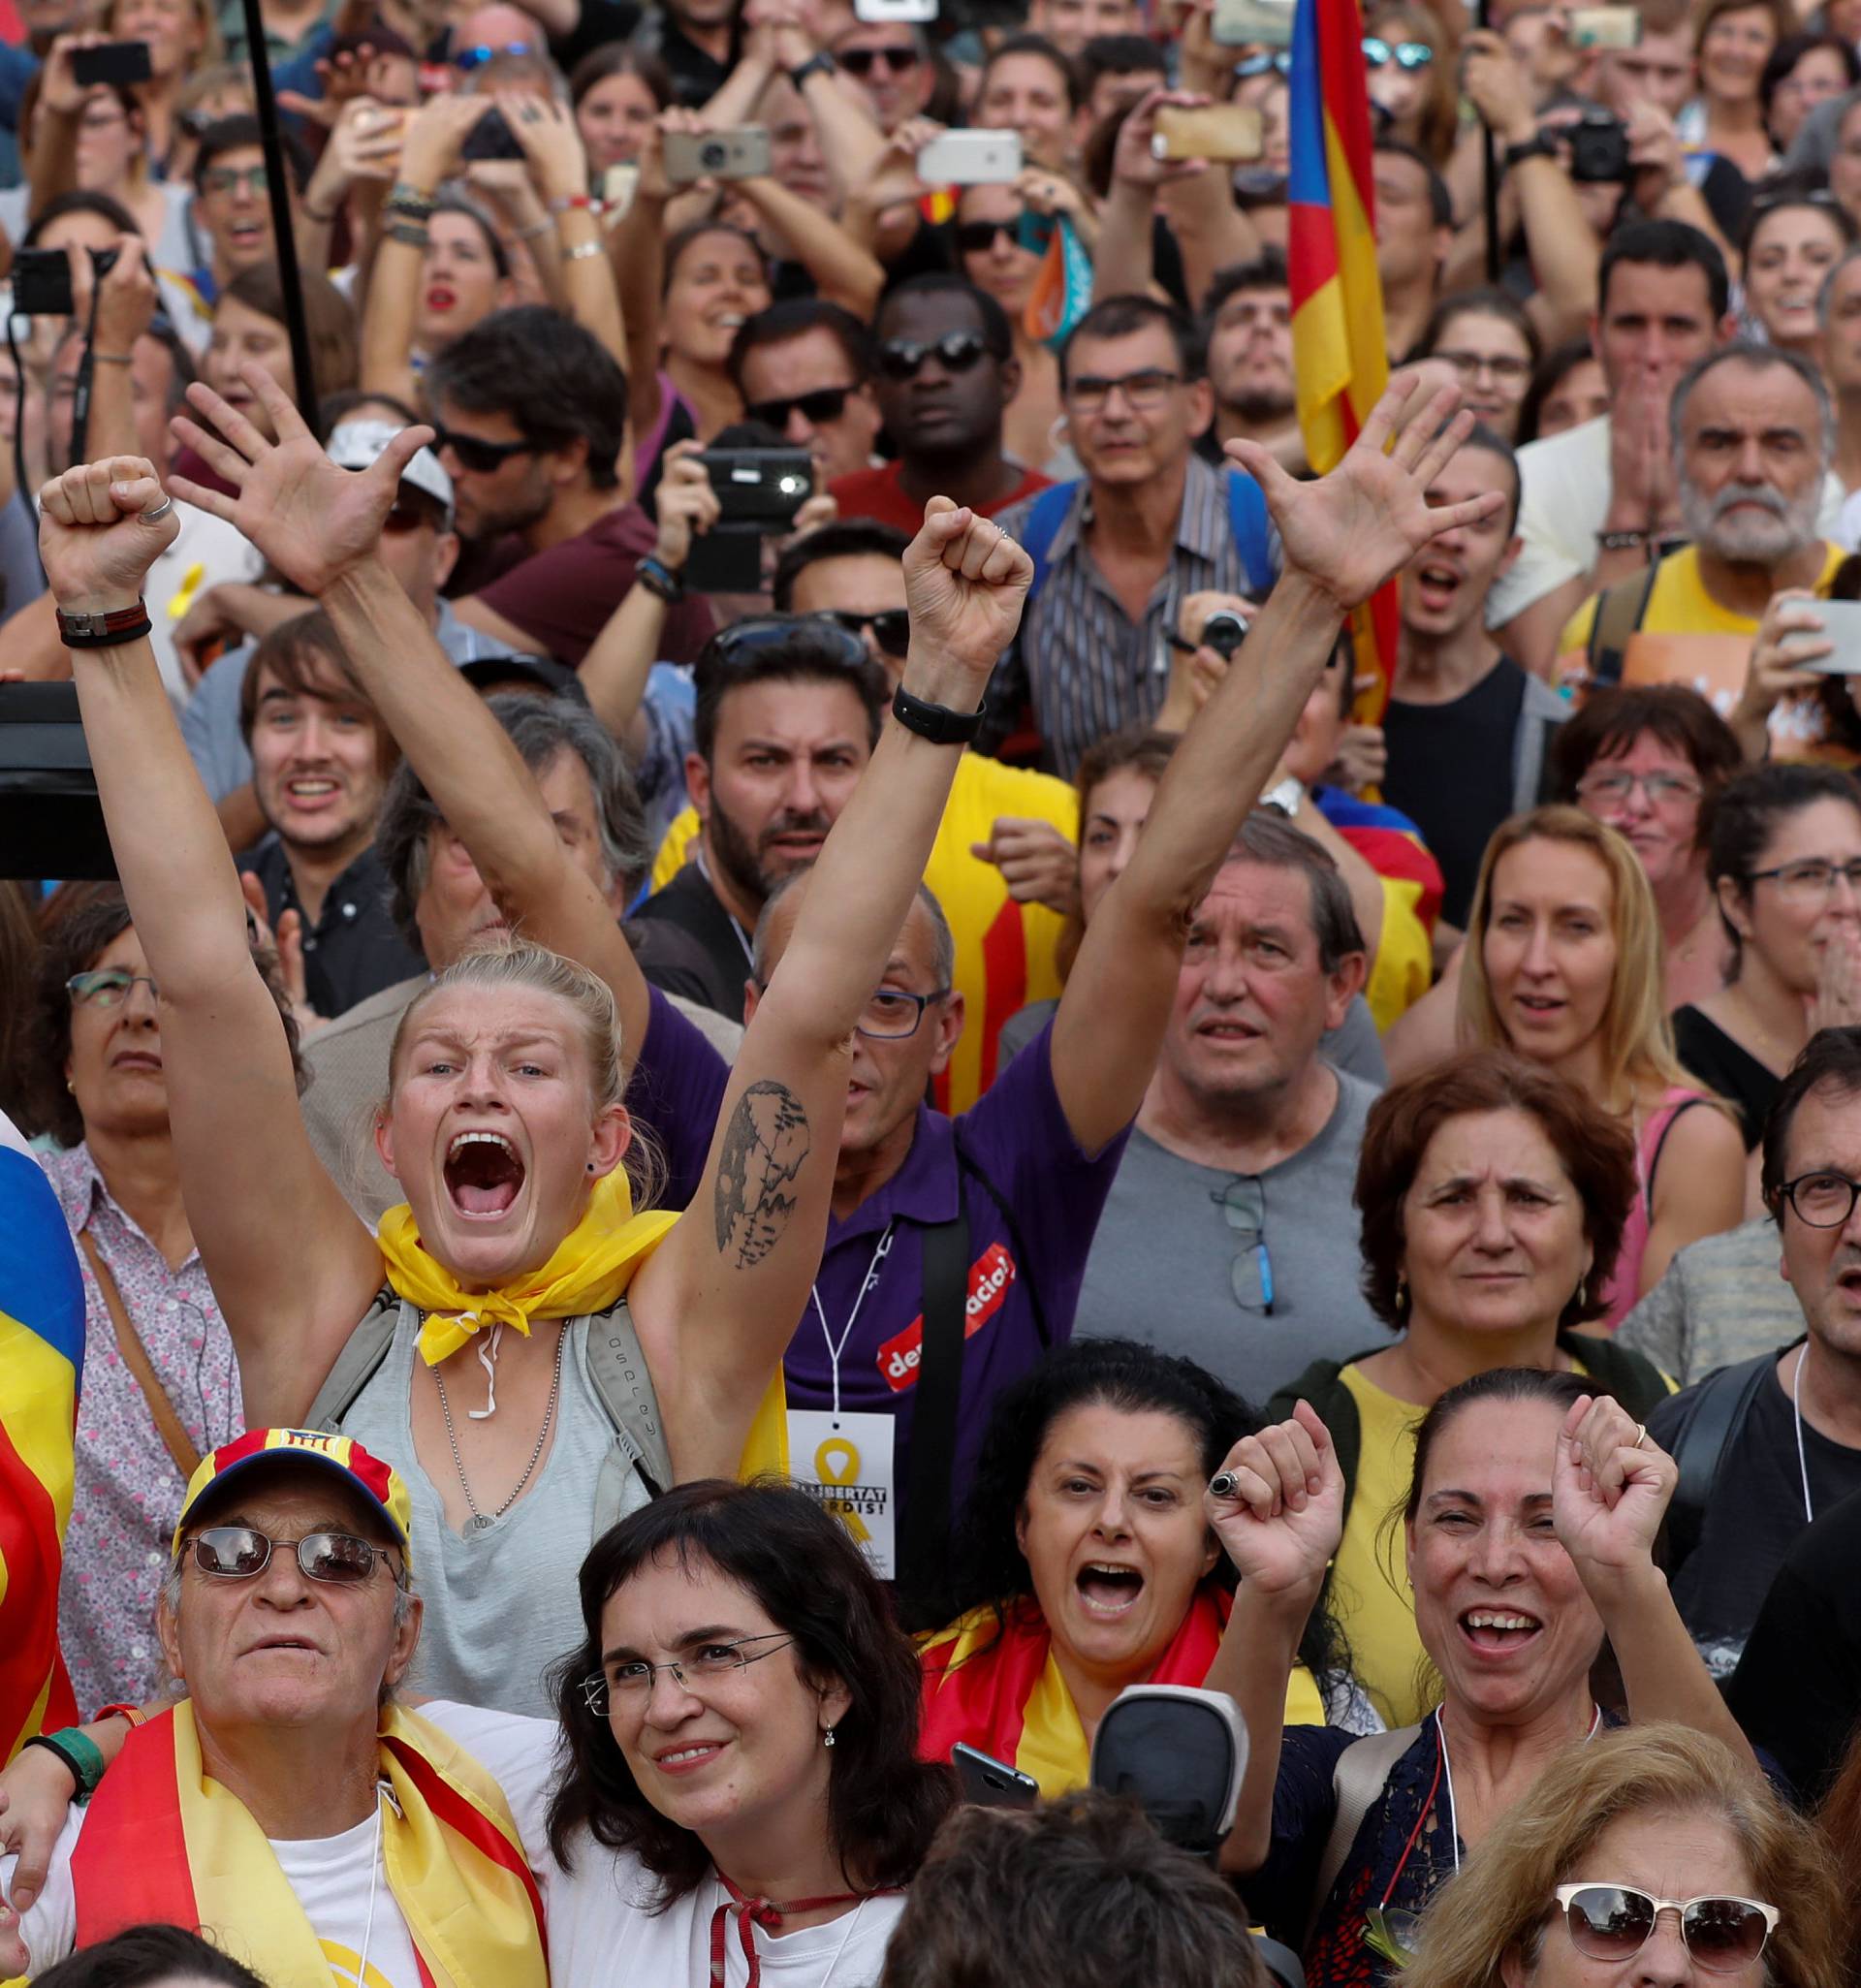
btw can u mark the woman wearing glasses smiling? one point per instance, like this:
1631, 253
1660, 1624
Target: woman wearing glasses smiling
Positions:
1649, 1857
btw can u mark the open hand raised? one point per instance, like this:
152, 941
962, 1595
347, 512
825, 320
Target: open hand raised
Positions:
1352, 531
312, 519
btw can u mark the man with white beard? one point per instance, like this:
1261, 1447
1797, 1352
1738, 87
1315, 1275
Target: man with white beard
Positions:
1754, 435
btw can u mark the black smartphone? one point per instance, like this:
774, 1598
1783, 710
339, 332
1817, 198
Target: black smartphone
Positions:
491, 137
760, 487
111, 62
992, 1784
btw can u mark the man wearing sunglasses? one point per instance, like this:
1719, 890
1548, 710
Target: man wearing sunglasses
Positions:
804, 367
946, 374
288, 1801
888, 63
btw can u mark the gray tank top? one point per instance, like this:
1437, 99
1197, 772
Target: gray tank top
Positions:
502, 1605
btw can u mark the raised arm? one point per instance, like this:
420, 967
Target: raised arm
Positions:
1343, 536
290, 1266
320, 526
719, 1302
1610, 1489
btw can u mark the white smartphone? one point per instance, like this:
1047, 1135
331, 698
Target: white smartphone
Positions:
1842, 629
970, 158
1245, 23
895, 10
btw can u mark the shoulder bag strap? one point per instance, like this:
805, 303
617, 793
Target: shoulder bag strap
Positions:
355, 1366
926, 1528
169, 1425
1721, 1404
617, 1367
1361, 1775
1620, 610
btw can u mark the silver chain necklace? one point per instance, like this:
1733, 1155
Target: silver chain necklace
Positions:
479, 1521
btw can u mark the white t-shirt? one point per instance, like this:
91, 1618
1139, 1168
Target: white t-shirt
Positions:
1563, 498
602, 1934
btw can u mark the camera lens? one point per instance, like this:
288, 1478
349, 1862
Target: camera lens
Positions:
713, 156
1223, 633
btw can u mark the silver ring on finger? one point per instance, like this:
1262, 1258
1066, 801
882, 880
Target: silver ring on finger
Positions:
1641, 1435
1224, 1484
157, 512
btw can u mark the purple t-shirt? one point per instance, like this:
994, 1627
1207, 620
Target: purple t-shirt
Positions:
675, 1093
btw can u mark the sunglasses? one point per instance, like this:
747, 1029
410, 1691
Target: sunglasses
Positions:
1614, 1922
978, 237
839, 648
1264, 65
465, 60
229, 179
903, 358
824, 404
858, 62
1405, 54
109, 986
237, 1553
409, 514
891, 626
474, 453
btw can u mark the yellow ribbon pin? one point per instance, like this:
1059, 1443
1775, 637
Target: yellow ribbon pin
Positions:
834, 1449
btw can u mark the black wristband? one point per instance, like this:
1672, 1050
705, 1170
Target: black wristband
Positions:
84, 1780
936, 722
820, 63
1537, 147
1621, 541
103, 631
656, 576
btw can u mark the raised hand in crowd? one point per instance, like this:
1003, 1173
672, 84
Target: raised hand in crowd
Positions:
1789, 639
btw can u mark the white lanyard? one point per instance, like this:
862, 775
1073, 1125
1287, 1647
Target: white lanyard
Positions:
743, 937
1796, 1409
1447, 1769
833, 1351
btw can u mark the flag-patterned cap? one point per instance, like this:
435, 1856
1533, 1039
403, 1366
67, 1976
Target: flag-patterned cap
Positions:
266, 1448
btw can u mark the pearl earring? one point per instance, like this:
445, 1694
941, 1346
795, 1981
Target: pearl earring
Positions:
827, 1738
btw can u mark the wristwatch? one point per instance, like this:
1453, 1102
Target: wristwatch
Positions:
820, 63
1288, 797
1537, 146
936, 722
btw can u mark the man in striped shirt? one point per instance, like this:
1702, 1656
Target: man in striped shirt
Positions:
1149, 524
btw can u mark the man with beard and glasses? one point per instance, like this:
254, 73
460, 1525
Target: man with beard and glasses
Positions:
1753, 433
1247, 322
787, 717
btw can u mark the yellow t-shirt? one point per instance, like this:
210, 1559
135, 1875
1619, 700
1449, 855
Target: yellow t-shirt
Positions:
1004, 950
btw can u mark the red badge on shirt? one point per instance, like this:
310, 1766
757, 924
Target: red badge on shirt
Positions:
990, 1279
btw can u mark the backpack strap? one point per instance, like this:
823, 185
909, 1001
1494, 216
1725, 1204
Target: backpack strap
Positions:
361, 1355
1253, 530
925, 1532
617, 1367
1620, 611
1716, 1413
1045, 516
1361, 1775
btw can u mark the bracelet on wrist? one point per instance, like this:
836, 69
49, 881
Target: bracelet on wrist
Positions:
936, 722
108, 630
81, 1754
820, 63
1620, 541
414, 198
535, 234
657, 578
570, 202
581, 251
409, 234
133, 1713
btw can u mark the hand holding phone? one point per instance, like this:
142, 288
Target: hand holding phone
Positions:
992, 1784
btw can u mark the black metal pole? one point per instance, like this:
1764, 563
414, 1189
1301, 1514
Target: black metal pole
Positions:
278, 186
1489, 170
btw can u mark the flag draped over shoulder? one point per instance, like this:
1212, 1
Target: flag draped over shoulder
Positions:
1340, 362
42, 1357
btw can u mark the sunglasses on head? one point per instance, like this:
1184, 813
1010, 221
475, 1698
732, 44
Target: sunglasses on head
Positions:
840, 647
475, 454
858, 62
1405, 54
903, 358
1614, 1922
891, 626
824, 404
238, 1553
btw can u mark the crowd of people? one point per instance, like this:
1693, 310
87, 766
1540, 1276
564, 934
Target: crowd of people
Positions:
1314, 1176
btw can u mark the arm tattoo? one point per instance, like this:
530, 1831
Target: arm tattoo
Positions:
764, 1150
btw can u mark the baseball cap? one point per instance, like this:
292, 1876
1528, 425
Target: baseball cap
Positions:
358, 445
486, 674
261, 1449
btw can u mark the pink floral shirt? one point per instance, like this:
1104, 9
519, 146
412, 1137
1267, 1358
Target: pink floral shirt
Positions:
128, 1491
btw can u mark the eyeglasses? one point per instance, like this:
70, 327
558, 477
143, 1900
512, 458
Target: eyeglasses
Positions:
1244, 1201
107, 988
1824, 1201
858, 62
1502, 366
903, 358
409, 514
1614, 1922
1405, 54
1612, 790
709, 1664
824, 404
237, 1553
838, 647
1145, 390
891, 627
1263, 65
978, 237
465, 60
474, 453
231, 179
1811, 881
893, 1016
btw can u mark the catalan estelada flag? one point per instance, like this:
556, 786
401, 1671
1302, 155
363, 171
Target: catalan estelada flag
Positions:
42, 1357
1340, 362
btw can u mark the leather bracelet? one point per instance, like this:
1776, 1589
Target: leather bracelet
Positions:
410, 199
656, 576
936, 722
1537, 147
409, 234
108, 630
1620, 541
80, 1753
